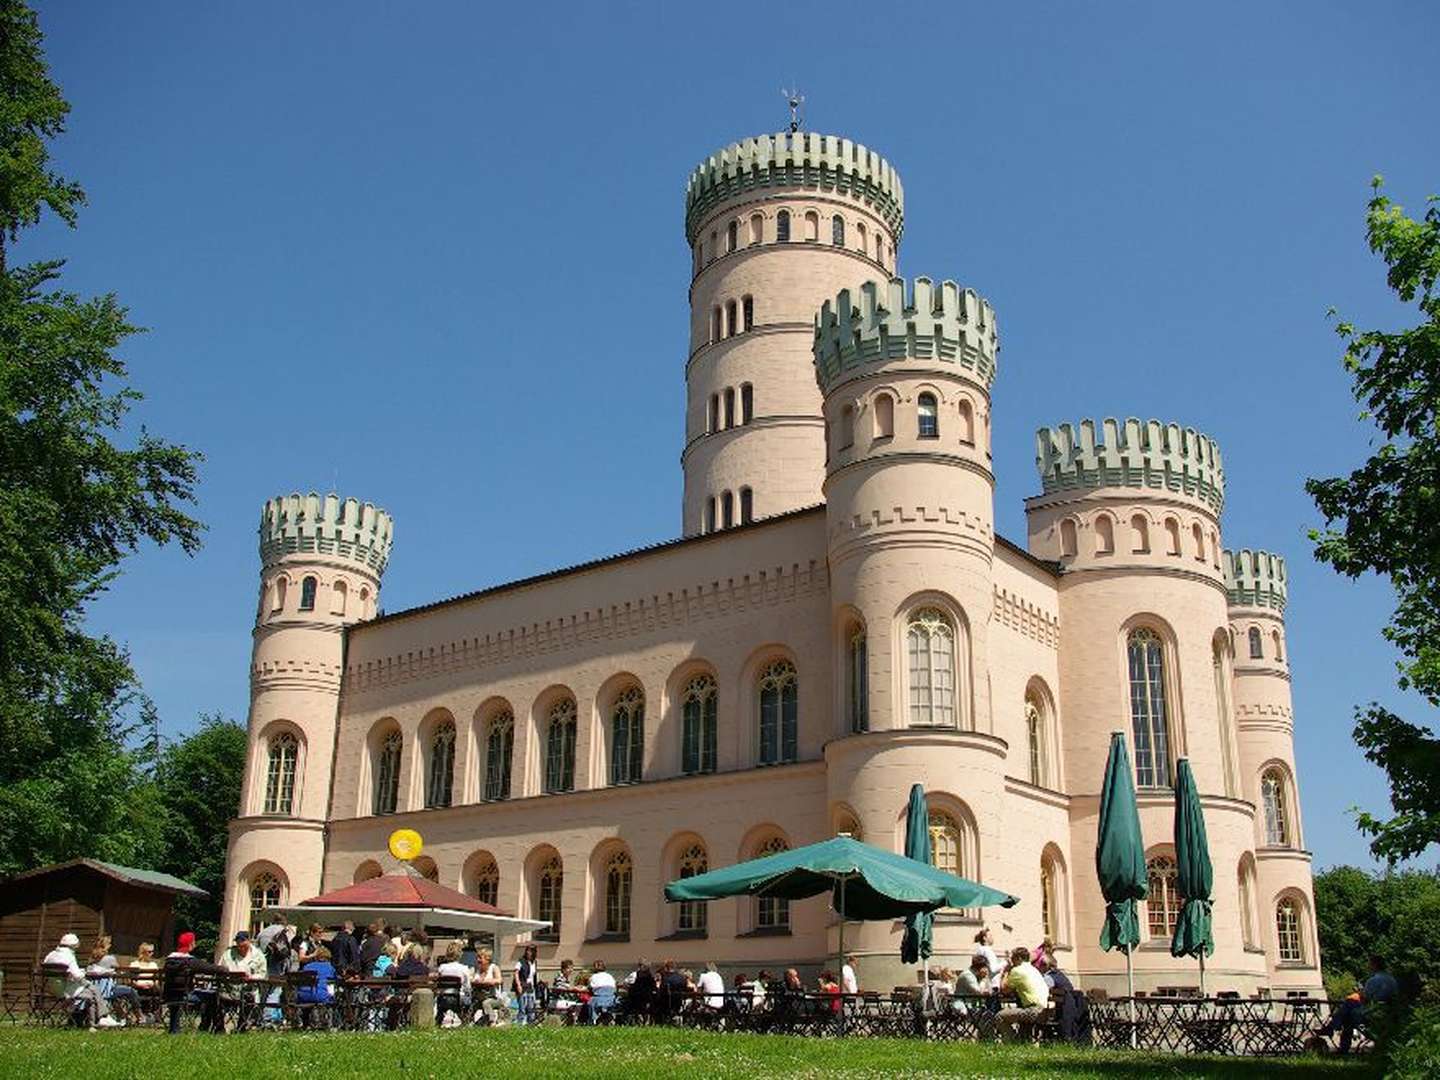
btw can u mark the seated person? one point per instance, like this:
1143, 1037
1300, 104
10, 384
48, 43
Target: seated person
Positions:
389, 954
1031, 996
565, 992
323, 990
125, 1000
602, 992
1379, 989
243, 958
453, 1002
82, 997
712, 985
488, 984
640, 1001
179, 989
829, 986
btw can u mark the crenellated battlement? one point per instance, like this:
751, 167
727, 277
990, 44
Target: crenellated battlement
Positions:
799, 159
1166, 457
328, 525
894, 319
1256, 579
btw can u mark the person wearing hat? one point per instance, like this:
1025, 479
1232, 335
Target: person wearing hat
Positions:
85, 1001
181, 967
244, 959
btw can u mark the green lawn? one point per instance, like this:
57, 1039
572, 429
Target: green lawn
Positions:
585, 1053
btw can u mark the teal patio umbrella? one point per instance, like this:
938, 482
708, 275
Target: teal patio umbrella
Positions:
1120, 861
918, 942
1195, 876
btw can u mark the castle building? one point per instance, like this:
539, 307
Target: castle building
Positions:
838, 621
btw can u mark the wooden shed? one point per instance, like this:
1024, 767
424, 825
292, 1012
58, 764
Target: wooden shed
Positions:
85, 897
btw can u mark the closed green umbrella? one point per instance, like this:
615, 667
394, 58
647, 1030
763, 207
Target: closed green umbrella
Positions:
1120, 860
918, 942
1195, 876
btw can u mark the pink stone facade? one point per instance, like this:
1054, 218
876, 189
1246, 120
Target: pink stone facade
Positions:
786, 670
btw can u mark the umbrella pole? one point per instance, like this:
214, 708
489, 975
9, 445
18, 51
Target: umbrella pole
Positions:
1202, 971
1130, 979
840, 968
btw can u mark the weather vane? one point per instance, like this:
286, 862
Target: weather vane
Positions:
796, 100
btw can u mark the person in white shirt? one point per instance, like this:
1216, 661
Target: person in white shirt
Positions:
75, 987
712, 985
602, 992
488, 983
984, 941
848, 983
453, 967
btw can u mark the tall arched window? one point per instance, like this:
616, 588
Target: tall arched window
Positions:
387, 773
499, 754
1163, 904
847, 427
280, 774
1198, 535
560, 747
1035, 741
779, 713
549, 887
1104, 535
757, 228
307, 593
837, 231
879, 248
1049, 900
967, 422
440, 785
1247, 904
747, 313
729, 406
884, 416
812, 225
857, 679
1149, 720
1279, 652
772, 912
1257, 647
782, 226
364, 611
732, 324
710, 514
618, 877
264, 893
1221, 668
691, 915
338, 593
732, 236
712, 414
487, 883
1273, 799
1288, 933
627, 736
747, 402
747, 506
932, 669
1172, 536
1139, 534
1069, 540
700, 725
281, 585
947, 843
861, 241
727, 509
928, 416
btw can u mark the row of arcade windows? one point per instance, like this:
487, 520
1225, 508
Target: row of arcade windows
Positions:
721, 413
720, 510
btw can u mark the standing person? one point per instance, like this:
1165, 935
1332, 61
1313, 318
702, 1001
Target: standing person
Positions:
78, 992
984, 947
344, 949
849, 984
311, 942
523, 984
1031, 995
178, 979
372, 947
712, 985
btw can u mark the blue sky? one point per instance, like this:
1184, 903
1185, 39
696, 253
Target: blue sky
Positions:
362, 234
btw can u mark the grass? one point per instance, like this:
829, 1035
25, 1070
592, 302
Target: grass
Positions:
587, 1052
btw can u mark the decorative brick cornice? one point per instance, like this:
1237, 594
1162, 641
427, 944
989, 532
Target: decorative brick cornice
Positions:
1256, 579
1131, 454
340, 528
1025, 618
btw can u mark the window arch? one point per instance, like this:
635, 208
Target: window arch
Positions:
884, 416
387, 773
1198, 535
1172, 536
732, 323
487, 883
861, 241
691, 916
931, 639
710, 514
747, 506
1220, 666
699, 723
732, 236
947, 843
619, 877
1246, 884
772, 912
1289, 931
1035, 739
727, 509
1140, 534
847, 427
440, 781
1257, 648
549, 889
967, 422
282, 585
499, 755
338, 595
1274, 799
857, 679
757, 228
879, 248
1069, 540
715, 323
782, 226
747, 401
627, 735
265, 892
1053, 895
927, 414
282, 760
812, 225
308, 588
1104, 535
1149, 716
364, 611
729, 406
712, 414
837, 231
1162, 906
747, 313
1279, 650
779, 693
560, 746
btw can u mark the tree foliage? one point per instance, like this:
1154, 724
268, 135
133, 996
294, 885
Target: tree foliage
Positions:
1394, 914
1384, 517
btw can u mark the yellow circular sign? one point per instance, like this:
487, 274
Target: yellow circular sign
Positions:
405, 844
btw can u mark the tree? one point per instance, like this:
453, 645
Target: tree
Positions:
198, 782
1396, 915
1385, 518
74, 503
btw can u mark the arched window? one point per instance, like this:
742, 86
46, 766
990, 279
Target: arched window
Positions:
1172, 536
747, 402
549, 886
281, 585
715, 323
1163, 904
747, 313
782, 226
772, 912
710, 514
387, 773
779, 713
932, 669
967, 422
727, 509
1275, 639
280, 774
861, 240
1221, 668
729, 406
712, 414
264, 893
364, 611
440, 785
618, 878
700, 725
1104, 535
499, 754
847, 427
757, 228
713, 249
732, 236
928, 416
1198, 535
1035, 740
1247, 904
879, 248
857, 680
487, 883
747, 506
732, 324
337, 598
1273, 798
1288, 932
627, 736
307, 593
1069, 541
691, 916
812, 225
884, 416
1149, 720
1140, 534
1257, 648
837, 231
560, 747
1049, 900
947, 843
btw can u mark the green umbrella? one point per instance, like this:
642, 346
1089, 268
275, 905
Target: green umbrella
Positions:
1120, 860
1195, 876
918, 942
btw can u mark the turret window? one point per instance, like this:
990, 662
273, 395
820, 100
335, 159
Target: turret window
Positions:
860, 239
967, 422
715, 324
1257, 647
747, 403
812, 226
1104, 535
338, 593
857, 680
847, 427
757, 228
710, 514
308, 588
782, 226
729, 406
747, 506
1287, 932
837, 231
931, 641
727, 509
1149, 719
1273, 800
280, 774
712, 415
732, 326
779, 713
884, 416
732, 236
1140, 534
1275, 640
747, 312
929, 417
699, 723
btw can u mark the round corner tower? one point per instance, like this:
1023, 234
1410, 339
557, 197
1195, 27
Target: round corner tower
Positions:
776, 224
322, 559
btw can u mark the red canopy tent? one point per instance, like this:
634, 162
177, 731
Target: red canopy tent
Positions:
411, 901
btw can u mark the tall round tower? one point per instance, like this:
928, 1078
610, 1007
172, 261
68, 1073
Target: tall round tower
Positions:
777, 224
321, 564
1278, 890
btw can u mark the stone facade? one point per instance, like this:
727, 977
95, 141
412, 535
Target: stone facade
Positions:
839, 621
